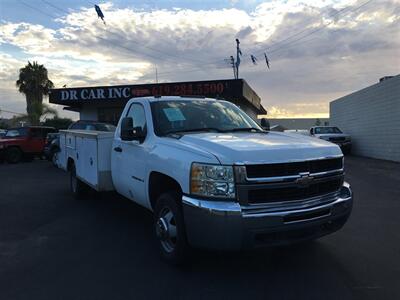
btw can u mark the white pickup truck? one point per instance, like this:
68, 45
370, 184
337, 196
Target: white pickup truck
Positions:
212, 176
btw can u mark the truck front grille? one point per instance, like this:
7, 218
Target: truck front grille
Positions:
271, 194
294, 168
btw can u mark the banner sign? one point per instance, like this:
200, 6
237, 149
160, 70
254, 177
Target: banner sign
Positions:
227, 89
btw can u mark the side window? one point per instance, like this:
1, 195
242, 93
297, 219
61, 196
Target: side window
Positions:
36, 132
90, 127
136, 112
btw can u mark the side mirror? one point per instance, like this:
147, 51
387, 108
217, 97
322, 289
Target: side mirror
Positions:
130, 133
127, 129
265, 124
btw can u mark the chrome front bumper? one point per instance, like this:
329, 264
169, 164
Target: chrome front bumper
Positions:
227, 225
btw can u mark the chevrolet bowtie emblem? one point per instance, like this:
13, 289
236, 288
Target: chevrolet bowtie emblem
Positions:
305, 180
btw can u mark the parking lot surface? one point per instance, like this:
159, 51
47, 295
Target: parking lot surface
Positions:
102, 247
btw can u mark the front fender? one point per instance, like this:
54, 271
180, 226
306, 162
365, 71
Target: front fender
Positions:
175, 161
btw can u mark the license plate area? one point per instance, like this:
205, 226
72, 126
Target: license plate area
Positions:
308, 216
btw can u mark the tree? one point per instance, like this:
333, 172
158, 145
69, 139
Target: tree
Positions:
35, 84
318, 122
58, 123
4, 125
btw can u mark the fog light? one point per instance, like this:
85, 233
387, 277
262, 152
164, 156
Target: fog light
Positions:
345, 192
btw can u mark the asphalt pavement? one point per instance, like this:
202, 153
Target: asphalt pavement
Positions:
102, 247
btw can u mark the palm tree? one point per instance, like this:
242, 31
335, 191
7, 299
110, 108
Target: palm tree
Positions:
34, 83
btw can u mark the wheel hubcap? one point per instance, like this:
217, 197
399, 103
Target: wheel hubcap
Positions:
166, 230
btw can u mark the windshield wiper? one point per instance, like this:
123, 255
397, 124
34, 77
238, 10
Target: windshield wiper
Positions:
244, 129
207, 129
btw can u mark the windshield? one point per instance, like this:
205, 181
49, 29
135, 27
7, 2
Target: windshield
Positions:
325, 130
199, 115
18, 132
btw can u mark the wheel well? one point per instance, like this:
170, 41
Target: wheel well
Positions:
160, 183
55, 148
70, 163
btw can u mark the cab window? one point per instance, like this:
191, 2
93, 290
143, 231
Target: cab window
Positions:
35, 133
136, 112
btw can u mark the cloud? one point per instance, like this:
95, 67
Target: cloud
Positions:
349, 50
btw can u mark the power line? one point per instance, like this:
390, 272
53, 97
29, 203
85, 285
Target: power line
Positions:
296, 41
97, 37
39, 10
304, 30
131, 40
216, 62
11, 112
290, 43
315, 30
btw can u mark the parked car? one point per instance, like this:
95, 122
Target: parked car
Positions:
334, 135
212, 176
52, 147
298, 131
23, 142
2, 133
91, 125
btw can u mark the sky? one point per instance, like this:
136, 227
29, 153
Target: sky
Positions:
318, 50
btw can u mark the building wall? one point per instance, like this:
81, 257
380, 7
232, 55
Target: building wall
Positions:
372, 117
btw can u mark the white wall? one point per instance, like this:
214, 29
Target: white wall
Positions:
372, 117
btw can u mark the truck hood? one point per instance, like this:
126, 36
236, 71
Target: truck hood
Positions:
9, 140
253, 148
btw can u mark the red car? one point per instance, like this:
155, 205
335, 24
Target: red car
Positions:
23, 142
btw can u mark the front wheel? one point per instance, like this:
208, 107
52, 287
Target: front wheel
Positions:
170, 229
13, 155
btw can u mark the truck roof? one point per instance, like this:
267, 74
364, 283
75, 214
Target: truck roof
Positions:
33, 126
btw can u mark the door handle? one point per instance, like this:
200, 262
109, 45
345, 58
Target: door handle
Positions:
118, 149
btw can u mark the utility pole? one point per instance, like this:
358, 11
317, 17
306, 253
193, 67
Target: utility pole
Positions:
238, 54
156, 75
232, 62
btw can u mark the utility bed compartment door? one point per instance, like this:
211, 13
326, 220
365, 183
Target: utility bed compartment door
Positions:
91, 153
87, 161
70, 141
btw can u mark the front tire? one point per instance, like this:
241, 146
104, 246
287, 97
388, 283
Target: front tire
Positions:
170, 229
13, 155
77, 187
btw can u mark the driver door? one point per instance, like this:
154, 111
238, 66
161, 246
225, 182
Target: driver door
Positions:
131, 158
35, 140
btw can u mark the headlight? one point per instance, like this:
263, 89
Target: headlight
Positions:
212, 181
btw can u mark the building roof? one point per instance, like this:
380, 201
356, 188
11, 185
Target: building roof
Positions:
234, 90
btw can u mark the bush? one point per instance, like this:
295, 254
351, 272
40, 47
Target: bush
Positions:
58, 123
